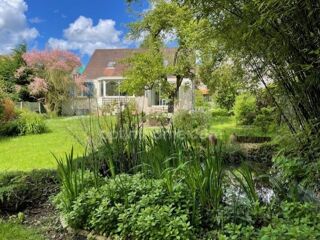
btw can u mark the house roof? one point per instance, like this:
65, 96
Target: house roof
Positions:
107, 62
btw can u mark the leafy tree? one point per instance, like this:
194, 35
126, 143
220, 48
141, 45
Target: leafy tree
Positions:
245, 109
53, 79
15, 76
279, 40
149, 68
224, 80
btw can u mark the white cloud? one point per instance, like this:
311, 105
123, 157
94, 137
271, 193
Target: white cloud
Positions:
36, 20
82, 35
13, 25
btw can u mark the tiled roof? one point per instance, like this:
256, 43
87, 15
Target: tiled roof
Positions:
101, 58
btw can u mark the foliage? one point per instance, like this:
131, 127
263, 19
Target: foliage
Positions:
245, 109
265, 119
165, 19
225, 81
219, 112
20, 190
205, 179
73, 180
145, 70
190, 121
245, 178
295, 173
157, 119
233, 154
53, 78
122, 145
293, 221
14, 122
31, 123
8, 118
276, 39
263, 154
14, 75
288, 220
135, 207
8, 112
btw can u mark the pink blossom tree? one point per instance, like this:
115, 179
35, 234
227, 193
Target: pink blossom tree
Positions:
54, 78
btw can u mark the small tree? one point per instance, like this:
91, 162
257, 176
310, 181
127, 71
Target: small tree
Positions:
245, 109
53, 79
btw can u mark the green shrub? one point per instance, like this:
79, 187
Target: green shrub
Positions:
287, 220
157, 119
20, 190
262, 154
245, 109
133, 207
293, 221
186, 121
219, 112
295, 173
225, 98
233, 154
31, 123
10, 128
265, 119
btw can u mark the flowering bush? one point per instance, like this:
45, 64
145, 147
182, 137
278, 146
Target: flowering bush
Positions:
38, 86
54, 76
52, 60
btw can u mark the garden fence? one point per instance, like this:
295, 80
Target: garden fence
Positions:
31, 106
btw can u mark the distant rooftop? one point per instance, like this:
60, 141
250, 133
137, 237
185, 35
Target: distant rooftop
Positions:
107, 62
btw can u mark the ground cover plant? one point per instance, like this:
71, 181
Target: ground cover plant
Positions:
21, 190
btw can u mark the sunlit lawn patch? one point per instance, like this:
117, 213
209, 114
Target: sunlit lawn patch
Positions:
35, 151
12, 231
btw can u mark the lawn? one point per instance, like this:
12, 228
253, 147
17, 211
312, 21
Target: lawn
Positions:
12, 231
35, 151
223, 127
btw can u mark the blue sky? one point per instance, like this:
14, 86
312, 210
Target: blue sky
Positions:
76, 25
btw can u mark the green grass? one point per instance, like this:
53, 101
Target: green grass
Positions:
223, 127
35, 151
12, 231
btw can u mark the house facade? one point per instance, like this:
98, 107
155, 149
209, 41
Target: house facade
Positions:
104, 74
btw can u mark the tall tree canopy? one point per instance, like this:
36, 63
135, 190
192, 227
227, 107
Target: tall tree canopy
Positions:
279, 41
148, 68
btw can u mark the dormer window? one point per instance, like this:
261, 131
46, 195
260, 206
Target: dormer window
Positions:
111, 64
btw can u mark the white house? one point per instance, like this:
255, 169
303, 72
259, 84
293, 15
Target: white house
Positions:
103, 75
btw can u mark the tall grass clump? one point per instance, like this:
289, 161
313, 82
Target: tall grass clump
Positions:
205, 177
122, 146
244, 177
71, 176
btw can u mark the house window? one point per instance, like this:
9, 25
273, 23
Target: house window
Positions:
112, 88
111, 64
88, 90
